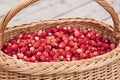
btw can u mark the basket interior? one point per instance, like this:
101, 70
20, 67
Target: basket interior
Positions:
98, 26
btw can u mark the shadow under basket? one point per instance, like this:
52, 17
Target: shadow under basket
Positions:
103, 67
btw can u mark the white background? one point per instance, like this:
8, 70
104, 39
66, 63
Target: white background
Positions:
52, 9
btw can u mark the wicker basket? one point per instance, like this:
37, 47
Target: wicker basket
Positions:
104, 67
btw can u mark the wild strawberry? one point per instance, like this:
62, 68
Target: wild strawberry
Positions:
20, 55
54, 29
41, 48
62, 45
32, 48
36, 44
14, 47
36, 38
92, 43
106, 46
32, 59
22, 44
26, 36
25, 58
79, 50
99, 44
85, 32
74, 58
47, 41
65, 59
13, 41
75, 28
76, 33
54, 44
28, 53
112, 45
68, 54
51, 53
35, 52
59, 34
5, 44
67, 48
23, 49
47, 49
71, 43
42, 58
82, 55
63, 53
60, 28
45, 53
73, 50
93, 54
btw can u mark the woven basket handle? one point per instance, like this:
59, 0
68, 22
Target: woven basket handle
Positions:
25, 3
12, 12
113, 14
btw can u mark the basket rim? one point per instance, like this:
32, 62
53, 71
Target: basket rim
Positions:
60, 19
88, 64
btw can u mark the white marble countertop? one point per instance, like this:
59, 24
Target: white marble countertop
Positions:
52, 9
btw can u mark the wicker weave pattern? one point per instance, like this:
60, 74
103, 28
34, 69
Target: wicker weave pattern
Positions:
104, 67
108, 72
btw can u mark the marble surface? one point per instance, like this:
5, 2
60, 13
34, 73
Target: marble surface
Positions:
53, 9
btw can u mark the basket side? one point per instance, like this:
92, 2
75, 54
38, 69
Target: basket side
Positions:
107, 72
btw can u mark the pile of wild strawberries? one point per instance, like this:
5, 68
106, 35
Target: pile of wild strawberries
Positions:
58, 44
